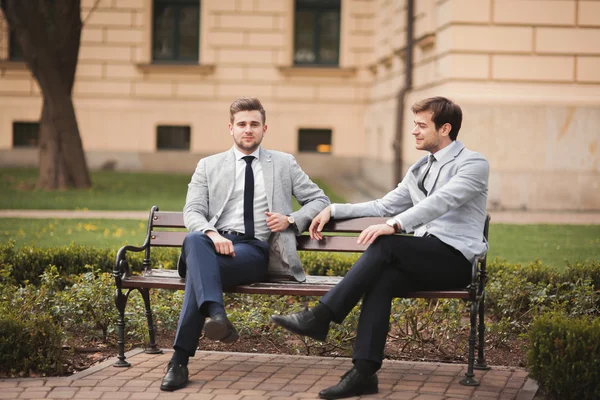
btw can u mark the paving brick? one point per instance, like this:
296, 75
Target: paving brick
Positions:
115, 395
143, 396
429, 397
33, 394
62, 394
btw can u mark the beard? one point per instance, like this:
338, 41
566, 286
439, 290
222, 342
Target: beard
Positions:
249, 146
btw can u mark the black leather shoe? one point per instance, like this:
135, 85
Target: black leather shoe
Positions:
303, 323
351, 384
219, 328
175, 378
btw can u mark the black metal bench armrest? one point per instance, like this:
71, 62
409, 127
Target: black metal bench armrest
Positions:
122, 270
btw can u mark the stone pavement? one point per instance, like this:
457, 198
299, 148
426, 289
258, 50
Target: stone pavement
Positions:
229, 376
506, 217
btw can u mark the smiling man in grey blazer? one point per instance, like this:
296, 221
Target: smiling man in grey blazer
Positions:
442, 200
236, 202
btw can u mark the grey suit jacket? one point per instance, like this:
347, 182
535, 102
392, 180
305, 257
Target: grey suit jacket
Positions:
454, 209
212, 185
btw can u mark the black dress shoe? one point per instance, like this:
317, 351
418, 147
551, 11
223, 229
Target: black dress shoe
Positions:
303, 323
219, 328
352, 384
175, 378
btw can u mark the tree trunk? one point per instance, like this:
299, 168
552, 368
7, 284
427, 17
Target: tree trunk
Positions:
49, 33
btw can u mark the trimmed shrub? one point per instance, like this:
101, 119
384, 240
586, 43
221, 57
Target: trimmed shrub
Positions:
30, 343
564, 356
327, 264
29, 263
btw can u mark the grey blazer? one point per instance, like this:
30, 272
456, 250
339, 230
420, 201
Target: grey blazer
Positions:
212, 185
454, 209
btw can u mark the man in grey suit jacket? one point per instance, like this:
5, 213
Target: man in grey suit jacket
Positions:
235, 202
442, 200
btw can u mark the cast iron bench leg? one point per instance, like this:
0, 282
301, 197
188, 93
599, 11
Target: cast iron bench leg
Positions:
121, 302
481, 364
469, 379
152, 348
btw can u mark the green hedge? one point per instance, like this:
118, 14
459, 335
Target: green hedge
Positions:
520, 292
564, 356
29, 263
31, 342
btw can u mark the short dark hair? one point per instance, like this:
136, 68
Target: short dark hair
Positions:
247, 104
444, 111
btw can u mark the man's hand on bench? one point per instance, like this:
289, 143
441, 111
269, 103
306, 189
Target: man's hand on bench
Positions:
222, 245
318, 222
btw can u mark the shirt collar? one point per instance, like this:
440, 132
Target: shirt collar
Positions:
239, 155
440, 154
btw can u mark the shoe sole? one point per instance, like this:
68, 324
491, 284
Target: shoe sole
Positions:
215, 330
173, 388
233, 337
364, 392
320, 338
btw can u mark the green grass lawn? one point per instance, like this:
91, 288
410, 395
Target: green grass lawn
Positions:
110, 191
552, 244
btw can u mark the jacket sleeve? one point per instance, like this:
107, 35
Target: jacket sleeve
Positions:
393, 203
309, 195
195, 211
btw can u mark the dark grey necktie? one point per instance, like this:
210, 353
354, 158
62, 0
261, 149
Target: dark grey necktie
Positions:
249, 198
421, 182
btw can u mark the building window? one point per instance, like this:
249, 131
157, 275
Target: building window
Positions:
14, 50
314, 140
176, 31
173, 137
26, 134
317, 32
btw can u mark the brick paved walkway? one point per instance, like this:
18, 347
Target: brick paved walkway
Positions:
228, 376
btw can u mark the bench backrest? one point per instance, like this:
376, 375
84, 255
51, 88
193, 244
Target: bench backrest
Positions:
337, 240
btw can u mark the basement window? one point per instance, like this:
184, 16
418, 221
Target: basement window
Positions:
173, 137
314, 141
26, 134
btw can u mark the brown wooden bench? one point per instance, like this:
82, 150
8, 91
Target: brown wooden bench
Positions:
151, 278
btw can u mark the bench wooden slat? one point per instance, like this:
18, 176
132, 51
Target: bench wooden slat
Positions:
167, 239
170, 219
314, 286
354, 225
329, 243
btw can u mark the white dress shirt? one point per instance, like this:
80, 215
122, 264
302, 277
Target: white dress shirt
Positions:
232, 217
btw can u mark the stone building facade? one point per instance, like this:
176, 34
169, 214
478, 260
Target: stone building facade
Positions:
526, 72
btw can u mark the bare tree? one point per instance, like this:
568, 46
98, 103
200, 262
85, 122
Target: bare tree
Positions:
49, 34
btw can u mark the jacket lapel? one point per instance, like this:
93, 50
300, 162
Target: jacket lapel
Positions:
417, 166
450, 156
227, 172
266, 161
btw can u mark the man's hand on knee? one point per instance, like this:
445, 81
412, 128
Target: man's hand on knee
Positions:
369, 235
222, 245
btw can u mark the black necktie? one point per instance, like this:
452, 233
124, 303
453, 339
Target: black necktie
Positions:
421, 183
249, 198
